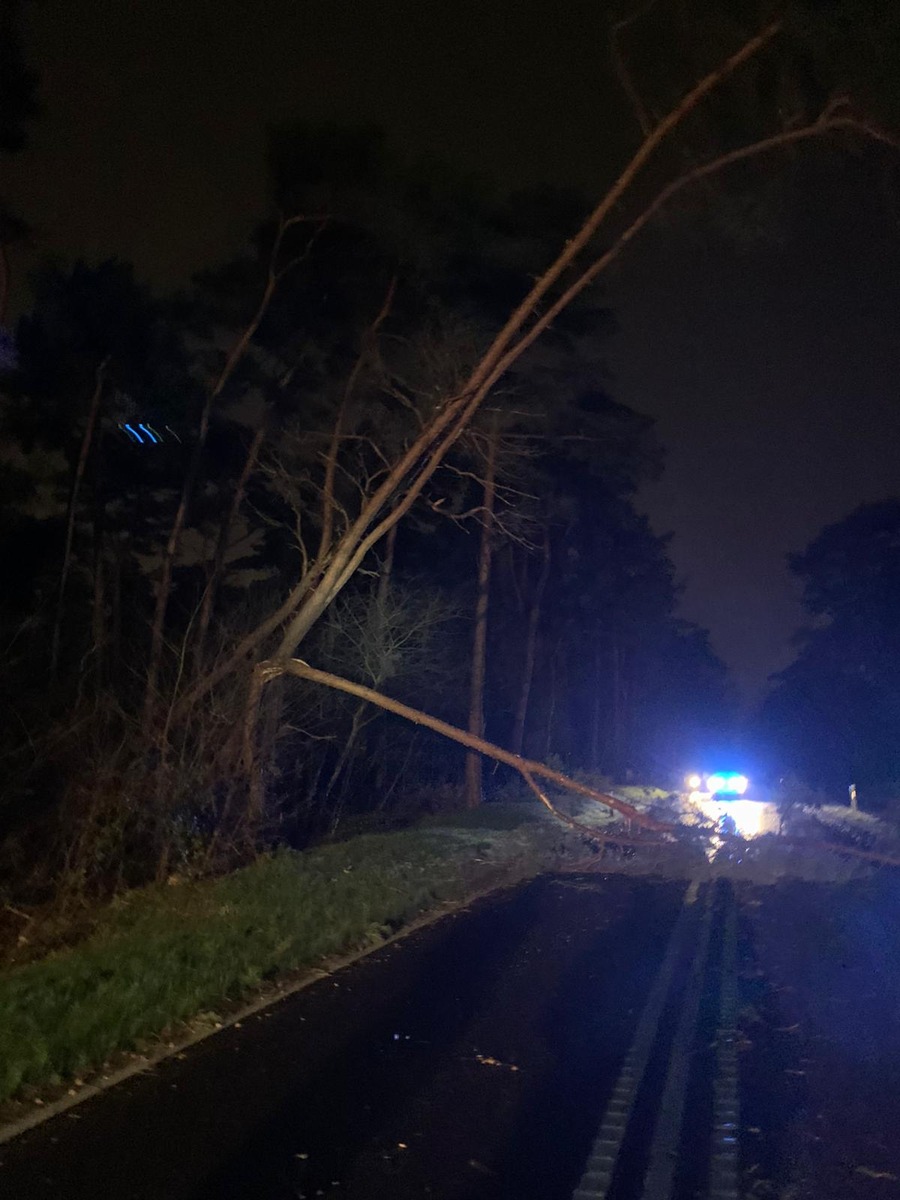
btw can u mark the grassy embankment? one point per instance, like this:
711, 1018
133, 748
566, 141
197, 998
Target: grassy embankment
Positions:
162, 956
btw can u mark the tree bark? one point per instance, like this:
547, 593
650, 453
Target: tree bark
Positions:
473, 779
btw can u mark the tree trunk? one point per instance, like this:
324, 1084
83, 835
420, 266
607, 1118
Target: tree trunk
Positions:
224, 536
387, 569
164, 591
357, 724
473, 782
83, 453
235, 356
534, 617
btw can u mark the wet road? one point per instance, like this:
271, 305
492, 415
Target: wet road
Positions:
586, 1036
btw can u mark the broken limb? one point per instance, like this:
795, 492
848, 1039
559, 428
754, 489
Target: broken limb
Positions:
527, 768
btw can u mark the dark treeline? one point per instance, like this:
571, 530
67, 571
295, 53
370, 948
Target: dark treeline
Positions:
126, 412
380, 437
833, 716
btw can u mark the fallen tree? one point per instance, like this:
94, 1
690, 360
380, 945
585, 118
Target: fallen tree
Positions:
528, 769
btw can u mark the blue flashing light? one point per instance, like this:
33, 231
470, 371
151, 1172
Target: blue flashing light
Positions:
133, 433
727, 783
154, 437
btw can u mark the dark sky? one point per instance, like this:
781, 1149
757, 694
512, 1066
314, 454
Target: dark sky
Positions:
774, 371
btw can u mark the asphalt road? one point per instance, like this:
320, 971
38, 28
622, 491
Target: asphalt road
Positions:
583, 1036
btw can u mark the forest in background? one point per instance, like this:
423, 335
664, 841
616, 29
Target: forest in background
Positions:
377, 316
341, 440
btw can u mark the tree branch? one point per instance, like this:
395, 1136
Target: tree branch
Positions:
273, 278
525, 767
369, 337
621, 69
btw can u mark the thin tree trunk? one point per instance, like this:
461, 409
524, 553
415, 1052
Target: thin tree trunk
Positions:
398, 773
80, 466
473, 781
534, 617
222, 542
356, 726
235, 356
387, 568
358, 722
367, 350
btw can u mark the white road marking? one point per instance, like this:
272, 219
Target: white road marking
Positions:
598, 1171
667, 1135
724, 1167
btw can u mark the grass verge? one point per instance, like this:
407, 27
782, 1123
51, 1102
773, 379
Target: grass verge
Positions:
161, 956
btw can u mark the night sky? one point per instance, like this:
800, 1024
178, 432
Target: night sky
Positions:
773, 369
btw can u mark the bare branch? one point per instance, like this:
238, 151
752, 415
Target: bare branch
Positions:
524, 766
822, 125
369, 339
273, 278
621, 68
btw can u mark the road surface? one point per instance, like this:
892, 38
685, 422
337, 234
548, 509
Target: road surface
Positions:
582, 1036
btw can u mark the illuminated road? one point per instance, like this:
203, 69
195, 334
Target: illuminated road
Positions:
584, 1036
